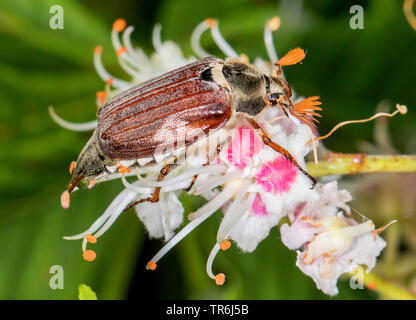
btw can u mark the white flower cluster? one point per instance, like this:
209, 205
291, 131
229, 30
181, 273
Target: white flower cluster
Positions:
258, 185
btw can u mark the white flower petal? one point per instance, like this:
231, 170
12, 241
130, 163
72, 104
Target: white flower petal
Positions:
297, 234
251, 229
162, 218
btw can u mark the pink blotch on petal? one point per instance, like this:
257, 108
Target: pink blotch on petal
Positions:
243, 146
258, 206
277, 176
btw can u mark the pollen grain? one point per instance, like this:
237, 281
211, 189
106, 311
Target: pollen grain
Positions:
89, 255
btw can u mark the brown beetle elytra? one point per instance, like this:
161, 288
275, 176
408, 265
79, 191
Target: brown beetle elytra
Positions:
202, 96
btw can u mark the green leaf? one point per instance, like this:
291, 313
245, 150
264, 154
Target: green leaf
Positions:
86, 293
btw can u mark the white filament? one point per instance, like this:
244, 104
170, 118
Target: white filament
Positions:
134, 188
116, 207
234, 216
126, 67
268, 41
156, 37
115, 40
212, 206
196, 39
210, 260
125, 56
221, 43
140, 59
115, 215
125, 37
82, 126
102, 72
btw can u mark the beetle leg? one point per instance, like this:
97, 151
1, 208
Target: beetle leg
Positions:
192, 183
218, 150
156, 193
277, 147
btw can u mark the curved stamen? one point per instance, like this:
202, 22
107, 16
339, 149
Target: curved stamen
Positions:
220, 41
126, 38
133, 187
140, 59
82, 126
103, 73
156, 37
84, 244
234, 216
127, 68
123, 55
200, 216
196, 39
185, 231
113, 218
115, 39
235, 211
271, 25
219, 278
116, 206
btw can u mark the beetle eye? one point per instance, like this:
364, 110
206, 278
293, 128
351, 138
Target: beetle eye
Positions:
274, 97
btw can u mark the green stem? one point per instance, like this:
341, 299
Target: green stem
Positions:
355, 163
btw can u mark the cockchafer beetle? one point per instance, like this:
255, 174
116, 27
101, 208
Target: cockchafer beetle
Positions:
204, 95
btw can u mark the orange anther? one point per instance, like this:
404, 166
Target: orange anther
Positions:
123, 169
119, 25
220, 279
210, 22
89, 255
65, 199
151, 265
109, 81
101, 95
120, 51
292, 57
98, 50
274, 23
226, 244
91, 238
72, 166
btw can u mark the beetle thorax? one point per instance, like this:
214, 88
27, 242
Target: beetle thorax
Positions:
248, 86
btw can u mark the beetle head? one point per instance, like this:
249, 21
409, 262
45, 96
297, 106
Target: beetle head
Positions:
253, 90
90, 163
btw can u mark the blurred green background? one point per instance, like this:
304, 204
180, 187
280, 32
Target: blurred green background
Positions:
352, 71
